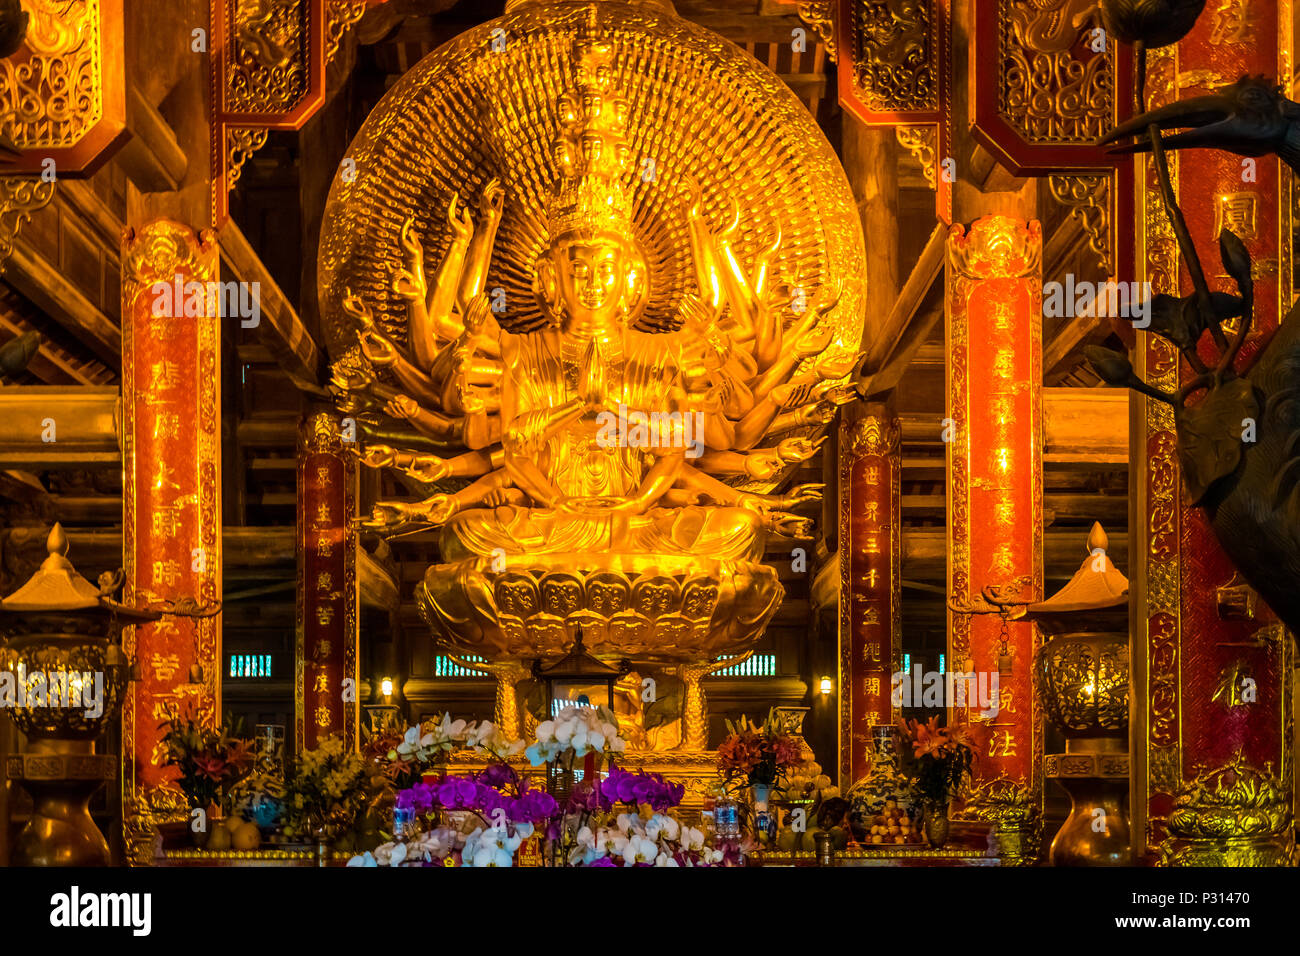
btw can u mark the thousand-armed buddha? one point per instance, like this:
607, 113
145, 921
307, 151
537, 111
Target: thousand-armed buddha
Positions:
599, 389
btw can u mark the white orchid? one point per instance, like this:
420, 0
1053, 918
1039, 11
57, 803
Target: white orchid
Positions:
665, 859
364, 859
639, 850
692, 839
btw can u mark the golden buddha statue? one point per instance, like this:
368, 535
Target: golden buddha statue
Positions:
571, 472
599, 389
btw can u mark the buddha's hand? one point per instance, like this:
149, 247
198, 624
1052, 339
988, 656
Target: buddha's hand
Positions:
439, 509
402, 407
377, 348
800, 494
788, 525
378, 456
818, 413
387, 514
411, 242
762, 465
409, 282
428, 468
358, 311
814, 342
462, 225
797, 449
493, 200
476, 314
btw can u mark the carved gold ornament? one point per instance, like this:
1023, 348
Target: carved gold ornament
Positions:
19, 198
53, 97
1087, 197
820, 15
1052, 88
894, 59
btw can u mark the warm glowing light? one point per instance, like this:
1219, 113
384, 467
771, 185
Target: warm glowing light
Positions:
386, 687
826, 686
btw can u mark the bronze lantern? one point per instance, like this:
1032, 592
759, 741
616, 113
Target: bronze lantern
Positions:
62, 677
1081, 676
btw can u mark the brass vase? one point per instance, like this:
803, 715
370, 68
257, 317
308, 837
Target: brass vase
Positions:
936, 825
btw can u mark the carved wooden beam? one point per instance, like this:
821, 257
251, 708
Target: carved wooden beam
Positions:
280, 329
48, 287
44, 427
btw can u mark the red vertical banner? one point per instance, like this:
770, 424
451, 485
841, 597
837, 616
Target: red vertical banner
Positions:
995, 511
1214, 674
326, 697
870, 586
171, 520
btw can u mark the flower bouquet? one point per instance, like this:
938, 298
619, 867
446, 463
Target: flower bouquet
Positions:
210, 761
406, 759
589, 734
329, 789
500, 806
759, 756
940, 757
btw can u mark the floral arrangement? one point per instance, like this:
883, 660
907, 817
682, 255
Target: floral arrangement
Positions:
576, 732
640, 839
941, 756
210, 761
620, 820
757, 755
404, 758
485, 794
327, 790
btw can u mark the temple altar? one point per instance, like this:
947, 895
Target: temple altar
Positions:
570, 433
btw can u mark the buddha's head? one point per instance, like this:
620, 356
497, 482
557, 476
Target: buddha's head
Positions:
589, 280
592, 274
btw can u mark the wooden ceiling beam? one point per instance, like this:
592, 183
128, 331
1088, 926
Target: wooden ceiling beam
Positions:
46, 286
279, 328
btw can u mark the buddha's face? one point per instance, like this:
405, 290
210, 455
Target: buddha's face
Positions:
592, 279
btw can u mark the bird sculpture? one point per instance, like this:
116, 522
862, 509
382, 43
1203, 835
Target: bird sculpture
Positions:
1149, 23
1238, 429
1250, 118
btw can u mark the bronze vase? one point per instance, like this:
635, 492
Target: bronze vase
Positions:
936, 825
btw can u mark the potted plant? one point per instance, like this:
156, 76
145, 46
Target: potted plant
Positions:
758, 757
330, 787
210, 762
940, 757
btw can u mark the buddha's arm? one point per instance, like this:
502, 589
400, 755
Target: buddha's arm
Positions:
806, 341
406, 439
409, 284
761, 464
751, 428
442, 295
423, 420
431, 468
704, 255
661, 476
532, 481
436, 509
479, 255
